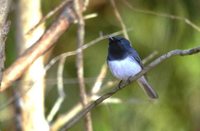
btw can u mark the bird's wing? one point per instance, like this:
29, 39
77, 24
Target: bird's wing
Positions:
135, 55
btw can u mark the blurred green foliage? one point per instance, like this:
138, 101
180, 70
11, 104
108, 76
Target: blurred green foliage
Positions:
176, 80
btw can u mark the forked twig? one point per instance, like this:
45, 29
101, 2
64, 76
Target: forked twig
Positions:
61, 93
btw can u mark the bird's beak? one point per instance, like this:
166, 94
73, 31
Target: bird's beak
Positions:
111, 38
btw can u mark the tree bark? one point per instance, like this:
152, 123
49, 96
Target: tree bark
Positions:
31, 103
4, 28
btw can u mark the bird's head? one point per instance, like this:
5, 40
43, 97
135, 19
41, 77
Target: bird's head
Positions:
119, 43
119, 47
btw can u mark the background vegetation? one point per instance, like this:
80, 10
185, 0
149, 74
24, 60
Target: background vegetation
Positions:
176, 80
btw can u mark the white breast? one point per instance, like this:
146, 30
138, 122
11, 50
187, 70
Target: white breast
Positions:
123, 69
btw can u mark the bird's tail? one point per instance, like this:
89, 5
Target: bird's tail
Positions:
147, 88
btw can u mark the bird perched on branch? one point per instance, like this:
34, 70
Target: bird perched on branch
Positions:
124, 62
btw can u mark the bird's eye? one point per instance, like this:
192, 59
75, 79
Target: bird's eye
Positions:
119, 40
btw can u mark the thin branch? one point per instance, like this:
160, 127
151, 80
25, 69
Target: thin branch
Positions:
78, 5
61, 92
62, 119
86, 3
119, 18
153, 64
186, 20
40, 47
150, 57
112, 100
97, 85
66, 117
89, 16
51, 13
85, 46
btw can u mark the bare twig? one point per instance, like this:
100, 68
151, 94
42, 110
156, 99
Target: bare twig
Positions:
51, 13
99, 80
119, 18
78, 107
98, 84
149, 12
89, 16
150, 57
78, 5
134, 78
61, 120
61, 92
39, 48
112, 100
86, 3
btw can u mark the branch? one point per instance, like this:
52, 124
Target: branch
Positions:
153, 64
186, 20
54, 11
4, 28
61, 92
78, 6
119, 18
51, 13
40, 47
99, 81
150, 57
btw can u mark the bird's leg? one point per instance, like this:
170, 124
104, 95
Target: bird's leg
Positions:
120, 84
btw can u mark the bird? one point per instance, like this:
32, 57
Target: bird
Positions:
124, 63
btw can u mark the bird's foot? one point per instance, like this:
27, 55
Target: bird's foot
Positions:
120, 85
